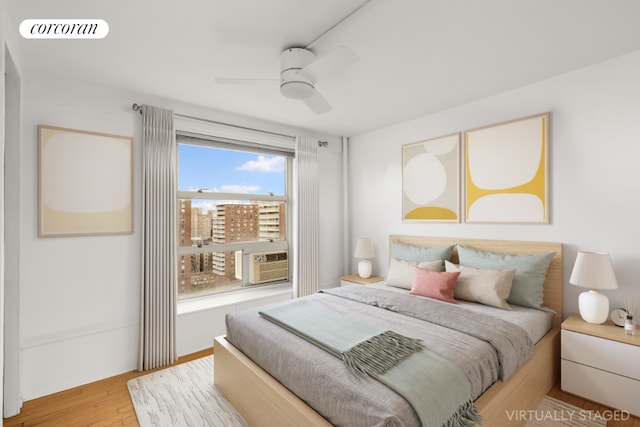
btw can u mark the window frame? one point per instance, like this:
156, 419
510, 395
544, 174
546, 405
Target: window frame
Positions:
247, 248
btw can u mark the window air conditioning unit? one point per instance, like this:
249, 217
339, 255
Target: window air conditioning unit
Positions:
269, 267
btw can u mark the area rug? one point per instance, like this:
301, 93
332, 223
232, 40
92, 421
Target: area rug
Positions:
183, 395
555, 413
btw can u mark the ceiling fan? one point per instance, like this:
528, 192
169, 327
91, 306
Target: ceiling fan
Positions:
299, 72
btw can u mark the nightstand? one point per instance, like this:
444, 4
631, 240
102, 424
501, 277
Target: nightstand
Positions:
354, 279
601, 363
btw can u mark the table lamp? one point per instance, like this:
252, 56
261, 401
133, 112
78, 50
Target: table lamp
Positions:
364, 250
593, 271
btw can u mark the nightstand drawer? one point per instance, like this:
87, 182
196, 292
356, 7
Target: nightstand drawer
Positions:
603, 354
600, 386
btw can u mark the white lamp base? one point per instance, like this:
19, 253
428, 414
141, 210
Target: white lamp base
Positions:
594, 307
364, 268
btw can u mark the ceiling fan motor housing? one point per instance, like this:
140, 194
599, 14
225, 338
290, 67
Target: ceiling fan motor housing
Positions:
293, 84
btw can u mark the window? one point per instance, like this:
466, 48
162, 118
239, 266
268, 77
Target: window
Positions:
232, 216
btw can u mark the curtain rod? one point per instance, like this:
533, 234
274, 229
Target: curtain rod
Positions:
138, 107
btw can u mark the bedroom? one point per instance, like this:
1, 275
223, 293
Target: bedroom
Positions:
72, 332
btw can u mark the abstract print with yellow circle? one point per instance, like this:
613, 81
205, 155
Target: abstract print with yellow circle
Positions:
430, 179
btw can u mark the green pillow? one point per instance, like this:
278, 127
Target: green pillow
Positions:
405, 252
531, 269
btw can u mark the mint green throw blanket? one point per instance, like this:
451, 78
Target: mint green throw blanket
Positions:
438, 390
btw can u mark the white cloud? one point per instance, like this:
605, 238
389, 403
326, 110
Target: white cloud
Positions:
264, 164
236, 188
204, 205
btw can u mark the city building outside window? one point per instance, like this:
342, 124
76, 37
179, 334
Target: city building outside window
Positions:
232, 220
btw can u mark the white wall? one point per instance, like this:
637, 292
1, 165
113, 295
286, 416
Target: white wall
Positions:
594, 170
80, 295
10, 254
331, 215
12, 242
3, 13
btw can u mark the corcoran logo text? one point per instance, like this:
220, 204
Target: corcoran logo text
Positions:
64, 28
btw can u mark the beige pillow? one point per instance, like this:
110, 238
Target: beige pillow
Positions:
488, 287
401, 274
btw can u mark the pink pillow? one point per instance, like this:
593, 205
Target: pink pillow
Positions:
434, 284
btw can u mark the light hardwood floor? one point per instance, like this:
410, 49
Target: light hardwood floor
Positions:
606, 413
102, 403
107, 403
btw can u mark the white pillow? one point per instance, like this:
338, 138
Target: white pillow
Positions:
488, 287
401, 274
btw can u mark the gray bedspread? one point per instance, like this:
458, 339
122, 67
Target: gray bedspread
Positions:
322, 381
512, 343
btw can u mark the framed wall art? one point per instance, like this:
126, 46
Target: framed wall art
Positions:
85, 183
431, 179
507, 173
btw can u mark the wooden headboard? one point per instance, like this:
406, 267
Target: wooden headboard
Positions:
553, 280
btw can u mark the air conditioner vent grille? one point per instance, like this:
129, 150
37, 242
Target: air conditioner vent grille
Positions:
269, 267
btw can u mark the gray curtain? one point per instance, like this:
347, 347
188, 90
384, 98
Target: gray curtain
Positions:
158, 295
306, 266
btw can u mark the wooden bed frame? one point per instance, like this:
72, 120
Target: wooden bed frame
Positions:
263, 401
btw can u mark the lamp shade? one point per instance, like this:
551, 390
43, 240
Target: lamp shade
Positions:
593, 271
364, 249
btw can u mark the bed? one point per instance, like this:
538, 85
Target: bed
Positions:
265, 401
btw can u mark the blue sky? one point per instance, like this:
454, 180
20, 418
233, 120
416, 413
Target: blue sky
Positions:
229, 171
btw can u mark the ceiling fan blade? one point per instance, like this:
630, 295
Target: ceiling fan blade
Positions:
339, 58
317, 103
231, 81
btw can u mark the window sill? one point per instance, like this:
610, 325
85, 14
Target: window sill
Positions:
231, 298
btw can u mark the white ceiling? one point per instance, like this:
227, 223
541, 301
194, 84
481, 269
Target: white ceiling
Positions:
415, 56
